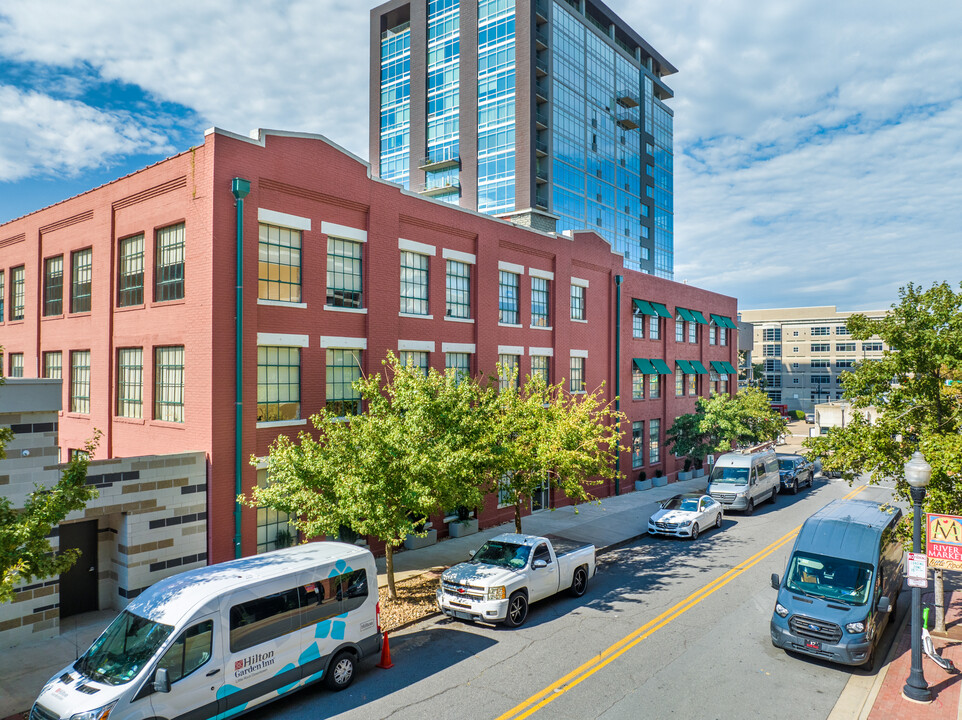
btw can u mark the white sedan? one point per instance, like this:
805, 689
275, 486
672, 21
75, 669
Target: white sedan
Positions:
685, 516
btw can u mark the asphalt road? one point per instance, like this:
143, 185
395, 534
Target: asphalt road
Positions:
681, 629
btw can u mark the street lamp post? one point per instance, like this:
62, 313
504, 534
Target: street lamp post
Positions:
917, 473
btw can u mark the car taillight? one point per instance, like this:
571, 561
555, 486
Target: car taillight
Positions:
377, 616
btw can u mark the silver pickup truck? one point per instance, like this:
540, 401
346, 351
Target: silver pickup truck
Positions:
510, 571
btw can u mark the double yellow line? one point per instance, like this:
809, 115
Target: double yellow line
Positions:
583, 672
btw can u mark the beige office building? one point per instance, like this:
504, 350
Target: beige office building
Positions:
805, 351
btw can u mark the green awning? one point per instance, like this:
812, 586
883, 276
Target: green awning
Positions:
698, 367
685, 314
643, 307
728, 322
661, 310
730, 368
685, 367
699, 318
661, 366
719, 367
718, 320
644, 366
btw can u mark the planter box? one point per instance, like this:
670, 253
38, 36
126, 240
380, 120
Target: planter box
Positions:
413, 542
660, 481
460, 528
643, 484
684, 475
698, 473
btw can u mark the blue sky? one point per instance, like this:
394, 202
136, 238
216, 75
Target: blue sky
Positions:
818, 145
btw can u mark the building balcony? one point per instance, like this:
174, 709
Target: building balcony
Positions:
541, 67
439, 187
627, 98
541, 120
441, 159
662, 91
541, 148
541, 175
541, 90
541, 11
541, 201
541, 39
628, 120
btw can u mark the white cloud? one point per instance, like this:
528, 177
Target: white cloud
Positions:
41, 135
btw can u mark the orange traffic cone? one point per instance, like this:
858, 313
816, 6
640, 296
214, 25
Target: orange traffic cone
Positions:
385, 655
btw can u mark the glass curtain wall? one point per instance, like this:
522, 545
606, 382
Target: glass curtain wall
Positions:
396, 103
444, 41
496, 105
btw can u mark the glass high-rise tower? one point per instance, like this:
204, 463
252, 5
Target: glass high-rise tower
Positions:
550, 112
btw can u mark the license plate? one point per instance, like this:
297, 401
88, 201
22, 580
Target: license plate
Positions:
813, 644
463, 615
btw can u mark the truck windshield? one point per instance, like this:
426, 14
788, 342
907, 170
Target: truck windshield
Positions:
128, 643
730, 475
830, 578
786, 465
503, 554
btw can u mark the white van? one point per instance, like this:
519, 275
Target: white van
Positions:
219, 640
743, 479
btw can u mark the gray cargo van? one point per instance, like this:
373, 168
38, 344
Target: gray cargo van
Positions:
841, 582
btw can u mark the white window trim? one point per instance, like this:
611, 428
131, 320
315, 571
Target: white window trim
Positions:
501, 324
464, 257
283, 340
416, 247
416, 345
281, 303
579, 353
460, 320
579, 321
511, 350
343, 343
541, 351
469, 348
281, 423
415, 315
511, 267
344, 232
273, 217
579, 282
543, 274
540, 327
335, 308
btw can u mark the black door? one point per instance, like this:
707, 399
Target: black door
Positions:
78, 586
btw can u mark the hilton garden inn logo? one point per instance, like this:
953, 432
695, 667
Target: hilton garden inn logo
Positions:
253, 664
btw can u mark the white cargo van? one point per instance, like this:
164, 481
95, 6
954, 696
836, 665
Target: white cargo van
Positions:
741, 480
219, 640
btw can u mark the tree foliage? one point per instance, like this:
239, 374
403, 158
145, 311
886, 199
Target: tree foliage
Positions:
723, 421
25, 551
544, 435
916, 407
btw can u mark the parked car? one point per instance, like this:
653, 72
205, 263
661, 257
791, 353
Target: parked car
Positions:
510, 571
740, 480
795, 471
810, 418
686, 516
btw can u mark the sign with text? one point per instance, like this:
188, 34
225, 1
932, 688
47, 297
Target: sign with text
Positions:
916, 570
943, 541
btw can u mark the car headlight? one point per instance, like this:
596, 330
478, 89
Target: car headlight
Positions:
781, 610
742, 494
101, 713
685, 524
496, 593
856, 627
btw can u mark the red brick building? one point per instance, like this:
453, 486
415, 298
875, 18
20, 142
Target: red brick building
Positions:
128, 293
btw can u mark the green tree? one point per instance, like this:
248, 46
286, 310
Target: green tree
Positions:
419, 447
545, 435
916, 407
25, 551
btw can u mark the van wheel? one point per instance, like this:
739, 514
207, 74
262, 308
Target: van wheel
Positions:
694, 531
340, 673
579, 583
517, 610
774, 493
751, 506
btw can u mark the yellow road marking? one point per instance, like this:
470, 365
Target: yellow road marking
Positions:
589, 668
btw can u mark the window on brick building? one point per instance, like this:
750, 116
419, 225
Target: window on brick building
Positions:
53, 365
169, 383
130, 278
15, 368
3, 295
414, 283
278, 264
81, 276
459, 362
169, 263
577, 378
80, 381
278, 383
509, 309
53, 286
679, 382
637, 322
458, 290
654, 448
712, 334
540, 302
637, 443
578, 302
654, 387
130, 382
539, 366
344, 281
416, 359
679, 328
273, 529
654, 327
343, 368
18, 292
508, 371
637, 384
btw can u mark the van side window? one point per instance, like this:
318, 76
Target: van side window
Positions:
771, 465
189, 651
263, 619
332, 596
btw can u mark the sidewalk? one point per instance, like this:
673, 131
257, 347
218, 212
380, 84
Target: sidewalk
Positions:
25, 669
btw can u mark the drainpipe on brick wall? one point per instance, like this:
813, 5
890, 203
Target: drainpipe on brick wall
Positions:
618, 280
240, 189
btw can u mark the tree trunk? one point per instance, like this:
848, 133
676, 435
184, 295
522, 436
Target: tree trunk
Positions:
389, 566
517, 517
939, 602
